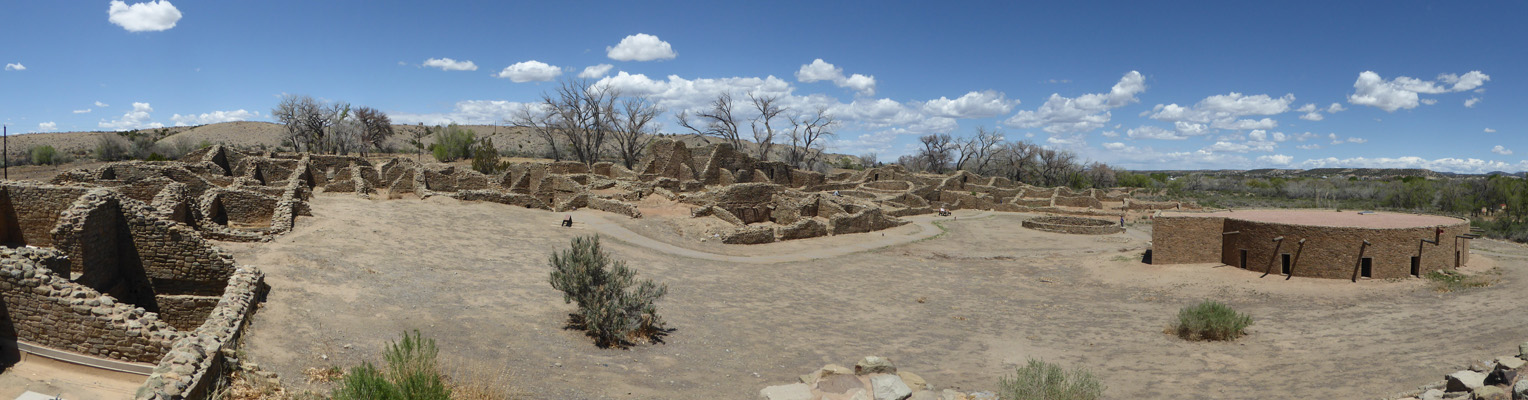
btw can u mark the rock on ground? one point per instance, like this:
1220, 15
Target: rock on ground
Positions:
874, 365
794, 391
889, 387
1464, 381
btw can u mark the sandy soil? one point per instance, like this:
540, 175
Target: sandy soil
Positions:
474, 276
69, 381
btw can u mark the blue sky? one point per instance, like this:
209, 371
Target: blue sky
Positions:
1144, 85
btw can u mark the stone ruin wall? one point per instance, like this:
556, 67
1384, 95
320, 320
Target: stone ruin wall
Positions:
44, 307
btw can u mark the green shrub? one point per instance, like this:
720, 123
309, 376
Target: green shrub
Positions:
43, 155
613, 307
453, 143
485, 158
412, 374
156, 157
1445, 281
1040, 380
1211, 320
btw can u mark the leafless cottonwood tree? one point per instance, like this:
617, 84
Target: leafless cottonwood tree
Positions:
376, 128
717, 120
807, 131
635, 128
1101, 175
1056, 166
867, 160
1018, 161
344, 133
306, 121
541, 124
976, 152
583, 115
768, 108
936, 152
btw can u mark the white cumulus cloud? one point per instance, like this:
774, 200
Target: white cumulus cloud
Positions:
50, 126
530, 71
213, 117
1489, 130
15, 67
1501, 150
1083, 113
1276, 159
1471, 102
984, 104
1153, 132
595, 71
100, 104
156, 15
467, 112
1403, 92
820, 70
448, 64
1312, 116
85, 111
641, 47
1224, 111
137, 119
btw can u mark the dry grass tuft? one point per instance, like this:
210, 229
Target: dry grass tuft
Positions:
324, 375
476, 383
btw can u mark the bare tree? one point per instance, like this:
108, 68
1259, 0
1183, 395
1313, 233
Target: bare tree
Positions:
1102, 175
636, 128
806, 131
344, 131
416, 138
1056, 166
541, 124
867, 160
583, 115
976, 152
718, 121
1018, 160
306, 120
376, 128
936, 151
768, 108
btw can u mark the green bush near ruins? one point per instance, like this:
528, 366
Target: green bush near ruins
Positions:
1042, 380
412, 374
453, 143
1211, 320
613, 306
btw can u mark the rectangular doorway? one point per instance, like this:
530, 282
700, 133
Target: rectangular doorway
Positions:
1244, 259
1416, 266
1366, 268
1286, 269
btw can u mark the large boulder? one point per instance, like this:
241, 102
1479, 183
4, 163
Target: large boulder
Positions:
874, 365
1464, 381
889, 387
1491, 393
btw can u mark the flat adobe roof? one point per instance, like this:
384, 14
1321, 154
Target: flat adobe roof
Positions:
1346, 218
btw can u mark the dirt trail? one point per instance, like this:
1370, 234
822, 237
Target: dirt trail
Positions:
473, 276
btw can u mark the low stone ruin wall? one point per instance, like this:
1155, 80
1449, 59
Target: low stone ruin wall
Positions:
41, 306
1073, 225
193, 365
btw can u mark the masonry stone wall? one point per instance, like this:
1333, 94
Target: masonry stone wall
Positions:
1338, 252
1073, 225
185, 312
173, 256
193, 365
44, 308
1186, 240
31, 211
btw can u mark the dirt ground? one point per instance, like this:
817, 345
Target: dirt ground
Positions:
474, 277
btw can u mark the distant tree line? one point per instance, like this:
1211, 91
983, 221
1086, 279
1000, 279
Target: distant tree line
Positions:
316, 126
988, 153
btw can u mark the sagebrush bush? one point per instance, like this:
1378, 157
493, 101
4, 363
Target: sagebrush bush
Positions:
412, 374
1211, 320
613, 306
43, 155
1041, 380
453, 143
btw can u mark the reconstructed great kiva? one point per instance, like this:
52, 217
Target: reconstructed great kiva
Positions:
1317, 244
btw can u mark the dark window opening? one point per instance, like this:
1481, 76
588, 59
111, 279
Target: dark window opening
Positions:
1366, 268
1243, 259
1416, 266
1285, 271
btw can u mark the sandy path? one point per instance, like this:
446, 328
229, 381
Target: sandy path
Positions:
473, 275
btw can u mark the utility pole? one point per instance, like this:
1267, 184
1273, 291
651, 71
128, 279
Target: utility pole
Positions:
5, 148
